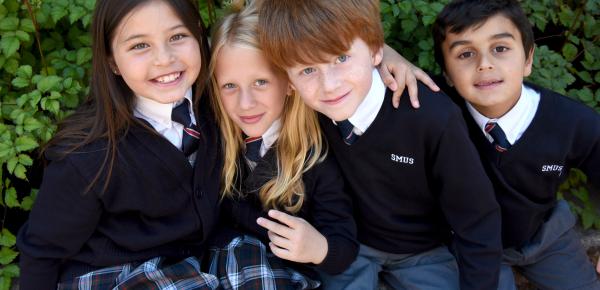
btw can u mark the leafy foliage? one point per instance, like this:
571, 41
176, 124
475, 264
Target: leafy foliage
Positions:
45, 58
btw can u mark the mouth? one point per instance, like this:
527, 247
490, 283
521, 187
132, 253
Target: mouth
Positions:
253, 119
168, 79
336, 100
487, 84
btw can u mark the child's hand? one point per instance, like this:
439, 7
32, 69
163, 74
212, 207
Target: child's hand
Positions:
396, 72
598, 267
294, 238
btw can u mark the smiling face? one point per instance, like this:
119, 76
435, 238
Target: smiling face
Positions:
155, 54
486, 64
251, 91
336, 88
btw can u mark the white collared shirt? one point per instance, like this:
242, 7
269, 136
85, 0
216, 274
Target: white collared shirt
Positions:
159, 116
368, 109
514, 122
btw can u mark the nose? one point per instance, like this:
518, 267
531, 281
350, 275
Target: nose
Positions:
247, 100
485, 63
330, 80
163, 55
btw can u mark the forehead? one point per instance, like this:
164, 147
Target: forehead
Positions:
356, 47
148, 18
242, 60
495, 27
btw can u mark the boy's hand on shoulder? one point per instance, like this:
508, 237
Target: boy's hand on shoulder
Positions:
294, 239
397, 73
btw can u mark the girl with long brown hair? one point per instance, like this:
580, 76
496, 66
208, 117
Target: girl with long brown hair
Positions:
130, 191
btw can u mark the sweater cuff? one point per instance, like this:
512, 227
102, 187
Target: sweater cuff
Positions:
340, 254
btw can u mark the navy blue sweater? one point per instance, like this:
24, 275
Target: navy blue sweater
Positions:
418, 183
156, 204
326, 206
563, 134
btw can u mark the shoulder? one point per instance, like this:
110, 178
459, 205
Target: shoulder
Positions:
565, 109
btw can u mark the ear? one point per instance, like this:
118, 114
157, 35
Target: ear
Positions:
113, 66
377, 56
529, 62
290, 89
448, 80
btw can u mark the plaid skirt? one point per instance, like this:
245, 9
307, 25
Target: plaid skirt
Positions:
152, 274
247, 264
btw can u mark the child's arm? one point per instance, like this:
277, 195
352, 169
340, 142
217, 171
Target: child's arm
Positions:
327, 237
397, 72
59, 223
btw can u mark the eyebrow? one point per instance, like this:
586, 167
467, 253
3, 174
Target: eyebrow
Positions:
132, 37
495, 36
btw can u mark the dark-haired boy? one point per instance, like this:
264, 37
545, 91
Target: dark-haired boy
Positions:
528, 138
415, 177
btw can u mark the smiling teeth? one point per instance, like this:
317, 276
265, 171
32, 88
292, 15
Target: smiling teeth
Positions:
168, 78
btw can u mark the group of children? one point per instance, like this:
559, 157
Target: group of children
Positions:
277, 161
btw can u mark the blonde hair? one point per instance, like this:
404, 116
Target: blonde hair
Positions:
300, 145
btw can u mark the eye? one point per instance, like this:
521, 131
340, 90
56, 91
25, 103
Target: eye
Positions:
501, 48
178, 37
342, 58
260, 83
229, 86
466, 54
308, 71
140, 46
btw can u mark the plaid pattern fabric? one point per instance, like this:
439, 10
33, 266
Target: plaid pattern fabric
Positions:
246, 264
151, 274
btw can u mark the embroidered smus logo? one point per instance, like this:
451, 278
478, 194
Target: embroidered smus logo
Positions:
402, 159
553, 168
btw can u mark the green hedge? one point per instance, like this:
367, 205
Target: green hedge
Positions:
45, 59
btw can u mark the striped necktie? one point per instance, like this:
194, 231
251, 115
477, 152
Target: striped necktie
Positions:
253, 148
181, 115
347, 130
500, 142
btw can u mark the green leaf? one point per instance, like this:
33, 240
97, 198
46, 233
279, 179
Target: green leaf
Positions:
25, 160
569, 51
7, 255
9, 23
20, 83
585, 76
25, 143
10, 271
7, 239
11, 164
22, 35
31, 124
10, 198
20, 171
5, 283
27, 25
25, 71
84, 55
48, 83
27, 203
9, 45
76, 13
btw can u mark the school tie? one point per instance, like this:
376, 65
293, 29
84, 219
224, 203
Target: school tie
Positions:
181, 115
253, 148
347, 130
500, 141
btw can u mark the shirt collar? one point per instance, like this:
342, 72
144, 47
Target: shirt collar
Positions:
160, 113
270, 136
369, 107
517, 119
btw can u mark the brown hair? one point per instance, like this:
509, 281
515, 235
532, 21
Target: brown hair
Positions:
107, 112
302, 32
